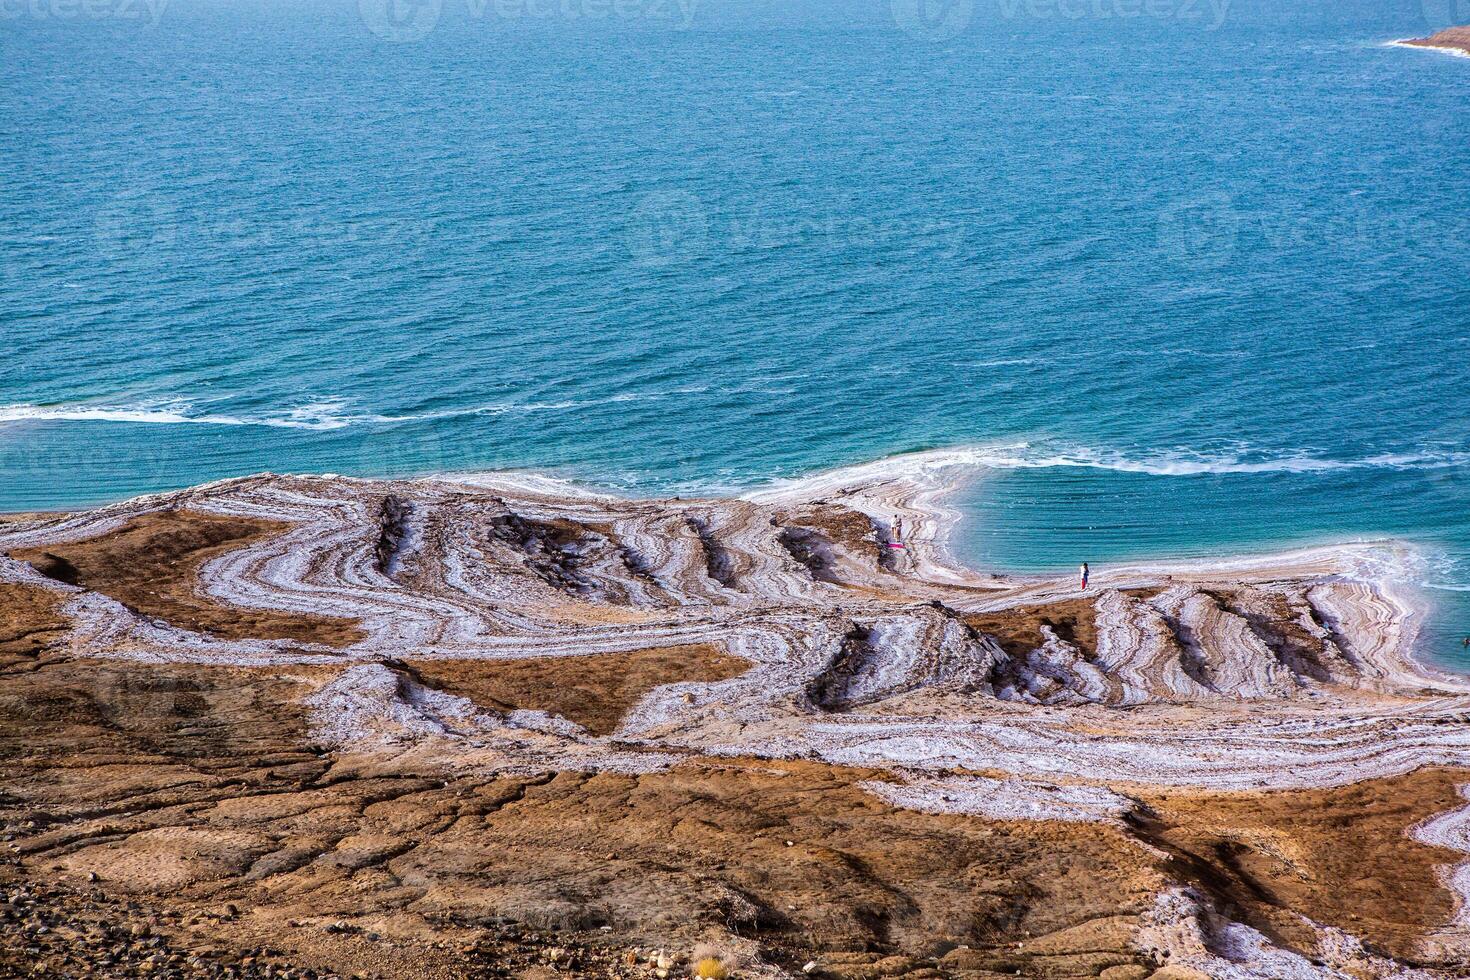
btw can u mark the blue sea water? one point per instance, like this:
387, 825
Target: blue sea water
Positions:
1198, 275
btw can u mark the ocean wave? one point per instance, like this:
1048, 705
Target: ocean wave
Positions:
324, 414
1179, 462
317, 416
1422, 566
313, 416
1438, 48
1416, 564
1191, 464
331, 413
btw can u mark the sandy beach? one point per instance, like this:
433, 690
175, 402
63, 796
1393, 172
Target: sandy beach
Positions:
474, 727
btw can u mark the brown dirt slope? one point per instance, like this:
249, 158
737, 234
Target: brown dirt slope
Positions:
193, 802
151, 564
191, 789
194, 791
1019, 630
595, 692
1339, 855
30, 620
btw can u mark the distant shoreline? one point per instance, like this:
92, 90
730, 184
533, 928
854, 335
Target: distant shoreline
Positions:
1451, 40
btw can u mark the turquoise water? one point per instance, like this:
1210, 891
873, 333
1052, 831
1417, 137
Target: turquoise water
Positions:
1200, 281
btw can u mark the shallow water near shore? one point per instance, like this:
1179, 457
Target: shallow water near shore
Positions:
1050, 521
1194, 291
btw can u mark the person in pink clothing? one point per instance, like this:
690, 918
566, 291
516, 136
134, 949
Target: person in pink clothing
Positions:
1084, 576
896, 539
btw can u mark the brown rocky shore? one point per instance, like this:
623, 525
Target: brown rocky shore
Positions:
318, 727
1456, 39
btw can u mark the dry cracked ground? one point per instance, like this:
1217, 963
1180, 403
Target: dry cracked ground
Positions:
192, 816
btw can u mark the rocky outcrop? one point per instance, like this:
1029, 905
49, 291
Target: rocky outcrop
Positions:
393, 533
849, 660
354, 627
1455, 40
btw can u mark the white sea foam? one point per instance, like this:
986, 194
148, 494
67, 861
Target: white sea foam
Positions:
1186, 463
1046, 455
322, 414
314, 415
331, 413
1404, 43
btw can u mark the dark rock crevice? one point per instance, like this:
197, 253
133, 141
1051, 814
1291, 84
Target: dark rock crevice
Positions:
813, 550
829, 689
393, 515
555, 550
718, 562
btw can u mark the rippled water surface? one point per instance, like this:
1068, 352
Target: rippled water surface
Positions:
1196, 286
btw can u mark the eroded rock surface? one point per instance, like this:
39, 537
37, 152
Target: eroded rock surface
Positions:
432, 728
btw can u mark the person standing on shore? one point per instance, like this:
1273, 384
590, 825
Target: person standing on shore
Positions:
1084, 576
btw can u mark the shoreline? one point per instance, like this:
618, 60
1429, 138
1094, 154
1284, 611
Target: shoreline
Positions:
1452, 41
920, 482
1440, 48
923, 490
454, 634
1371, 615
915, 486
